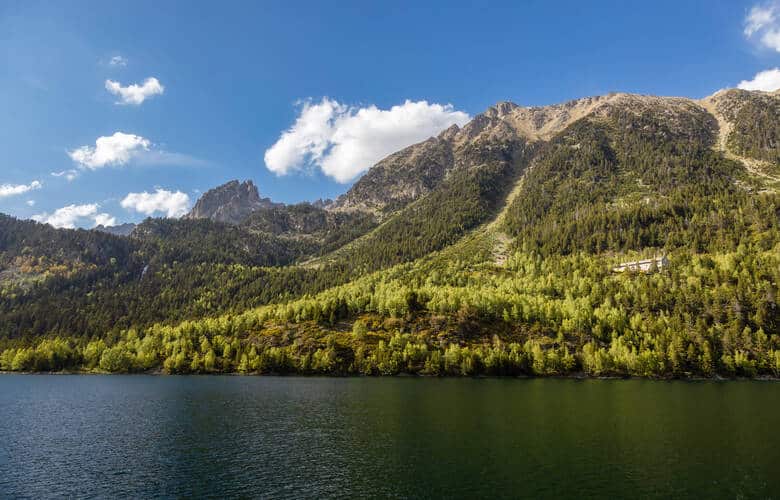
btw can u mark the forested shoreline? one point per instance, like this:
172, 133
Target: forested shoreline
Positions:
501, 267
705, 316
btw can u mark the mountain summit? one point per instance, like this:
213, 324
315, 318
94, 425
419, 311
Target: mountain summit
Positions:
231, 202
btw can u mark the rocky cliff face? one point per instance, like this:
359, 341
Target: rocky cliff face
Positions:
401, 177
231, 202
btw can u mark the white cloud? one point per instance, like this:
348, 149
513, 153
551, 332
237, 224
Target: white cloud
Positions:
759, 17
69, 174
105, 220
120, 149
768, 80
68, 216
117, 149
763, 24
30, 203
135, 94
170, 203
117, 61
344, 141
16, 189
771, 39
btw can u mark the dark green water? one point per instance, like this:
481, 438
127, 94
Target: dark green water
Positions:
144, 436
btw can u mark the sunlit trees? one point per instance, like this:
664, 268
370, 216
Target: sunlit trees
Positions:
707, 314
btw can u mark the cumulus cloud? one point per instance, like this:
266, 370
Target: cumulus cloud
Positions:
105, 220
7, 190
135, 94
121, 149
117, 149
762, 24
30, 203
117, 61
345, 141
68, 216
768, 80
170, 203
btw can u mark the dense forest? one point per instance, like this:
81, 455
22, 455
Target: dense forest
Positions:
502, 265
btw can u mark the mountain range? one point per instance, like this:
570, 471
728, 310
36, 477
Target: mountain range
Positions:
486, 249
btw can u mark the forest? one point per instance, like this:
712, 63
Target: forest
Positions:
504, 268
709, 314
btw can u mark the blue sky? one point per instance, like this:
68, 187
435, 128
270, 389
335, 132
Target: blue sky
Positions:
232, 77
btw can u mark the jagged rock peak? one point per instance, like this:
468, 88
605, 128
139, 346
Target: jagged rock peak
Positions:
231, 202
449, 133
500, 109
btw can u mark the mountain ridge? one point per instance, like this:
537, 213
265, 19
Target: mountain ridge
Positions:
416, 170
486, 249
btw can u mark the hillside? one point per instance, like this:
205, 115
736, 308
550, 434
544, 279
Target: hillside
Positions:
486, 249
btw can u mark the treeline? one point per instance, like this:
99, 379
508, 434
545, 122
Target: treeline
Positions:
364, 353
704, 315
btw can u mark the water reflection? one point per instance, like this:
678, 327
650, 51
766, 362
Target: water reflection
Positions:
141, 436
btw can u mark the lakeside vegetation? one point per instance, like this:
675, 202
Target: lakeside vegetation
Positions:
466, 280
707, 315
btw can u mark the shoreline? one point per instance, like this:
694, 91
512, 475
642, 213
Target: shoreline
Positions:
574, 376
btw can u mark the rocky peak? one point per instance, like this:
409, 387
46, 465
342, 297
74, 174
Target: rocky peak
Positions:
450, 133
231, 202
501, 109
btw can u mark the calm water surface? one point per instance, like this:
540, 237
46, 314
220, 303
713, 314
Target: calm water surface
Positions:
145, 436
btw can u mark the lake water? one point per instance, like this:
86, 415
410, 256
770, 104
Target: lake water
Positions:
146, 436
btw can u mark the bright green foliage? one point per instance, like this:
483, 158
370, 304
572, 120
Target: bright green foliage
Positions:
436, 289
706, 314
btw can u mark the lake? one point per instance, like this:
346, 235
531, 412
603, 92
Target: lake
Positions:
278, 437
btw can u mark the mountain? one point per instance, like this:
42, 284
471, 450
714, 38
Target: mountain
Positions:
231, 202
487, 249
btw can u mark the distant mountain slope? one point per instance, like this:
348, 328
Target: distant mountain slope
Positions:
29, 249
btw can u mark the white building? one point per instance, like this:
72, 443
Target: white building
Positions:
644, 266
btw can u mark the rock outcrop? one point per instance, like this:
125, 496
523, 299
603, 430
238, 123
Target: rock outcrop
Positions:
231, 203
